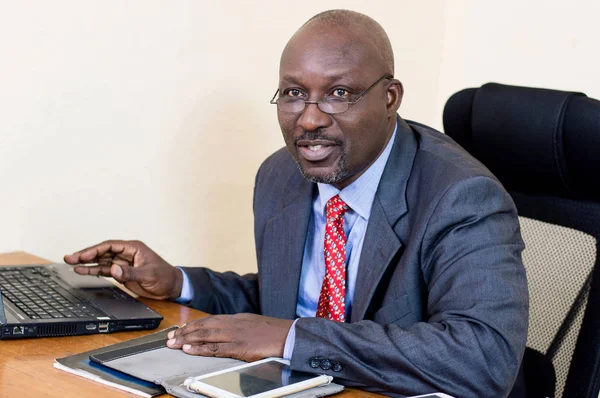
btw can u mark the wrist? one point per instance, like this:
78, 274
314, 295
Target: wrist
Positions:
284, 331
177, 284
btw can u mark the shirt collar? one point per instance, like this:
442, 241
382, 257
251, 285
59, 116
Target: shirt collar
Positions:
360, 194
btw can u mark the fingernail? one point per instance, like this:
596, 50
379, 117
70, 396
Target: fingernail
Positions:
118, 272
171, 342
186, 347
171, 335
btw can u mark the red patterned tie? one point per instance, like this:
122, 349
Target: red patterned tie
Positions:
332, 301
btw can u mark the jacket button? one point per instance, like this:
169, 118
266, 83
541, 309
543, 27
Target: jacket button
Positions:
325, 364
314, 362
336, 366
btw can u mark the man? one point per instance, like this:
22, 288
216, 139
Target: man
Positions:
387, 256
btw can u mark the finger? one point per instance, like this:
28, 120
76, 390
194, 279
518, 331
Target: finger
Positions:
228, 350
109, 260
121, 251
105, 249
193, 326
76, 258
94, 270
93, 253
171, 334
71, 258
201, 336
207, 322
178, 337
85, 256
105, 260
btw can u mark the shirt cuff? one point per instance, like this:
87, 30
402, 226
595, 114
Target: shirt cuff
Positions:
289, 342
187, 293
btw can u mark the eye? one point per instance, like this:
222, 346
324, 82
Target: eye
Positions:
292, 93
340, 93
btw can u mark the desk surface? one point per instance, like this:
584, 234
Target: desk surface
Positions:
26, 365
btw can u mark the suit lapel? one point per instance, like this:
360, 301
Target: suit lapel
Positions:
286, 237
381, 239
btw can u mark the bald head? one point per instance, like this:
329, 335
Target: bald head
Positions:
337, 99
360, 34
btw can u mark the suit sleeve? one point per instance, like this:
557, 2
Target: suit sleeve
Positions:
474, 336
223, 292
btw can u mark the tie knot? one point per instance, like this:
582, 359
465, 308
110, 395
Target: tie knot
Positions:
335, 208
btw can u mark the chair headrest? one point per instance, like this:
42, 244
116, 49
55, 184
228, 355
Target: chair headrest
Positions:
534, 140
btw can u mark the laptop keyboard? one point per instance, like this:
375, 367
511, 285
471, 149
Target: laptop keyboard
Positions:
34, 291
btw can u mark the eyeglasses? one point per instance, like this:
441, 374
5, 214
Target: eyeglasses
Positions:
328, 104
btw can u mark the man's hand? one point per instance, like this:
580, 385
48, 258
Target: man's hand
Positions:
132, 263
248, 337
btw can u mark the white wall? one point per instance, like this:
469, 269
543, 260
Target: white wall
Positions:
539, 43
148, 119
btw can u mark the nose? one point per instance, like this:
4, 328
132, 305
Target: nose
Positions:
313, 118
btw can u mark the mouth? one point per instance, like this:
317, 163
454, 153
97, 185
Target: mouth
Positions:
315, 150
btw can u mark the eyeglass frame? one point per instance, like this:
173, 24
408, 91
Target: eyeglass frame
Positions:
317, 103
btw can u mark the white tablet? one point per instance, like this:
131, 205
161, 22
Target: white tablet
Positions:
267, 378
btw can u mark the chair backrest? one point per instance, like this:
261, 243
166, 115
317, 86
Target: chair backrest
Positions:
544, 146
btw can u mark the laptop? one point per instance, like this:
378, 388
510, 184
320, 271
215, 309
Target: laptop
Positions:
52, 300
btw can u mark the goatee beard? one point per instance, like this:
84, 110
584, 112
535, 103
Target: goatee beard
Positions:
336, 176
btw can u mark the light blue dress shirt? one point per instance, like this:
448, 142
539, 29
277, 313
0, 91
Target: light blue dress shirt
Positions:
359, 197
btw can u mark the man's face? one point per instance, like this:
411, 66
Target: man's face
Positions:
333, 149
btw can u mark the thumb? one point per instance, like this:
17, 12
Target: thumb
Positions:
123, 273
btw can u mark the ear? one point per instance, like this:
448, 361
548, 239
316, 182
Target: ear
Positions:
395, 92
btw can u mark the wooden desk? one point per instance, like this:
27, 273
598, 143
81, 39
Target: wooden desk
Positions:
26, 365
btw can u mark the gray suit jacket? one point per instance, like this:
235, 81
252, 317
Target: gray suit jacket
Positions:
441, 299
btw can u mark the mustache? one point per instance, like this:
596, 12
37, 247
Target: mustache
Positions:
317, 135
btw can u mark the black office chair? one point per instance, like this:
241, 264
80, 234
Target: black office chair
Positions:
544, 146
